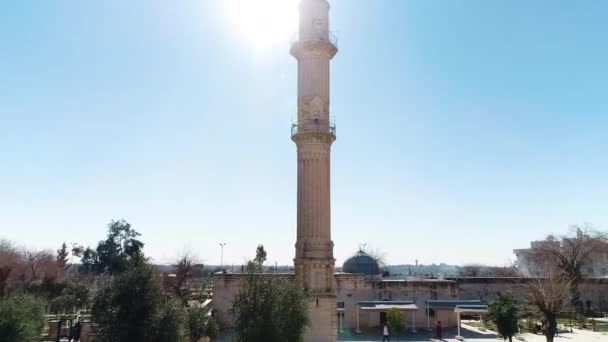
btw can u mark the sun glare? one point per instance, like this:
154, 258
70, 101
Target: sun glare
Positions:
264, 22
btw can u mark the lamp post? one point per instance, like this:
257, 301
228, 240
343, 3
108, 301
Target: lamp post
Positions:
222, 244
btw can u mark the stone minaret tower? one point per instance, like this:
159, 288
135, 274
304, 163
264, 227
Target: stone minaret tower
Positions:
313, 133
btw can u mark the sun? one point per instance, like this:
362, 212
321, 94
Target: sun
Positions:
264, 22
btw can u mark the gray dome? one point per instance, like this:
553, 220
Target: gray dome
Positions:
361, 263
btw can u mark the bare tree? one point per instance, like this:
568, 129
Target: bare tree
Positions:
505, 271
472, 270
549, 296
19, 267
39, 265
571, 256
9, 261
186, 267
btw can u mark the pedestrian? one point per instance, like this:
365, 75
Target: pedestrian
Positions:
385, 335
76, 329
438, 332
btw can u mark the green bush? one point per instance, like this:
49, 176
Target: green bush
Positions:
21, 319
395, 320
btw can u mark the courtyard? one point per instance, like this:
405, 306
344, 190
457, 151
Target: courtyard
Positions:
468, 332
471, 334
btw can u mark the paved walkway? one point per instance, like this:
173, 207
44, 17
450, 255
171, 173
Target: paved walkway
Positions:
469, 333
473, 334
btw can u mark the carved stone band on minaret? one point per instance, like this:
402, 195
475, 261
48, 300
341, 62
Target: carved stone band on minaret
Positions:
303, 47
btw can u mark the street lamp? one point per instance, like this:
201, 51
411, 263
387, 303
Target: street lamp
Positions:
222, 244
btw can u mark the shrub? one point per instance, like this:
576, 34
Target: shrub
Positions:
21, 319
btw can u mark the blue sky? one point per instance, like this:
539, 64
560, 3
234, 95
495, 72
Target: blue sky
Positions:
465, 128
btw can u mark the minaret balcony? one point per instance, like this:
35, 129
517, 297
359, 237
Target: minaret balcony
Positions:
314, 126
326, 40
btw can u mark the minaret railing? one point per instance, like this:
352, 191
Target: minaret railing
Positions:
313, 125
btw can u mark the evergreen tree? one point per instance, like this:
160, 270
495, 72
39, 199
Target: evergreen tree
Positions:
112, 255
62, 256
503, 313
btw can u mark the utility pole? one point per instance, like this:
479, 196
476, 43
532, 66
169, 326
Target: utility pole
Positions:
222, 244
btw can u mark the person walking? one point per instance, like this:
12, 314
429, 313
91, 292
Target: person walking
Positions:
75, 333
385, 335
438, 332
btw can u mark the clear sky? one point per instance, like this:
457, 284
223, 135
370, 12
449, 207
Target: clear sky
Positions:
465, 128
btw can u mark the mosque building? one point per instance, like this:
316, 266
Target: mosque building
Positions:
358, 297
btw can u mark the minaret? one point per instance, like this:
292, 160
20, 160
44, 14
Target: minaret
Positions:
313, 133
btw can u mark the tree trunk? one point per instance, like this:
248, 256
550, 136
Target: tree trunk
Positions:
59, 324
551, 327
575, 294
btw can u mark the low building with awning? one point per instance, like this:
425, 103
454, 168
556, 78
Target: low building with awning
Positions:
449, 311
382, 307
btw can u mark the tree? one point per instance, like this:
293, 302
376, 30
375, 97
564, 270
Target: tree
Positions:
130, 307
185, 269
269, 307
395, 319
200, 324
472, 270
113, 254
72, 297
260, 255
169, 322
62, 256
9, 261
503, 313
549, 296
570, 256
37, 265
21, 319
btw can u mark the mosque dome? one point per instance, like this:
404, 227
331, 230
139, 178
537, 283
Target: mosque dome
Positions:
361, 262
